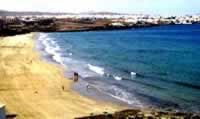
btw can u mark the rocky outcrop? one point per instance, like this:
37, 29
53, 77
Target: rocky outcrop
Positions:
16, 26
138, 114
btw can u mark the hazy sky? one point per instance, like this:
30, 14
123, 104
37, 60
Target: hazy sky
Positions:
124, 6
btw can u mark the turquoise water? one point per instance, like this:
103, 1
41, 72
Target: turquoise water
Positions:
157, 66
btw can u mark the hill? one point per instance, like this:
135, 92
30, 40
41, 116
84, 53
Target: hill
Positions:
23, 13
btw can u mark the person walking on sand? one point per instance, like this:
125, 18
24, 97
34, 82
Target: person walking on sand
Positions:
76, 76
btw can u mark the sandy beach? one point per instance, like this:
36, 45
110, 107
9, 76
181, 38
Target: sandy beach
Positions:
32, 88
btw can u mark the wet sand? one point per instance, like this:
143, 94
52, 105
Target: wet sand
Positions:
35, 89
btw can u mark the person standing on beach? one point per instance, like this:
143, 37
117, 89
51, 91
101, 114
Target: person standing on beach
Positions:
76, 76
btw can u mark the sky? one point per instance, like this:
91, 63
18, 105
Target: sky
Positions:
161, 7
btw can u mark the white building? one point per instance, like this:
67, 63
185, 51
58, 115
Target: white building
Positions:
118, 24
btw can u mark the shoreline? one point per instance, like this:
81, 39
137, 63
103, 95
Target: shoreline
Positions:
81, 86
97, 91
32, 88
29, 88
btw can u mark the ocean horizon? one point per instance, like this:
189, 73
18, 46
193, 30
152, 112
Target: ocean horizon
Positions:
155, 67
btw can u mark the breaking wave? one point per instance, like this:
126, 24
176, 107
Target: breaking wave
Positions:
51, 48
122, 95
117, 78
96, 69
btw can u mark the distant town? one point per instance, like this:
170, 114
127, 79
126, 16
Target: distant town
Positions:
11, 24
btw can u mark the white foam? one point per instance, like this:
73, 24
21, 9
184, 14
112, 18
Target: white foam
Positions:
42, 36
124, 96
57, 57
70, 54
122, 99
117, 78
49, 50
51, 47
57, 48
133, 73
96, 69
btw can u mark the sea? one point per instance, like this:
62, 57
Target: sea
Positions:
153, 67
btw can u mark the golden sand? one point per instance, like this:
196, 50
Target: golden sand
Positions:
32, 88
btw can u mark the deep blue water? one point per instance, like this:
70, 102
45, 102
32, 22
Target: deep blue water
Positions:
157, 66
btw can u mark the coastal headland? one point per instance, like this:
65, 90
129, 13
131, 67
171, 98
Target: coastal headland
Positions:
12, 25
33, 89
17, 26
